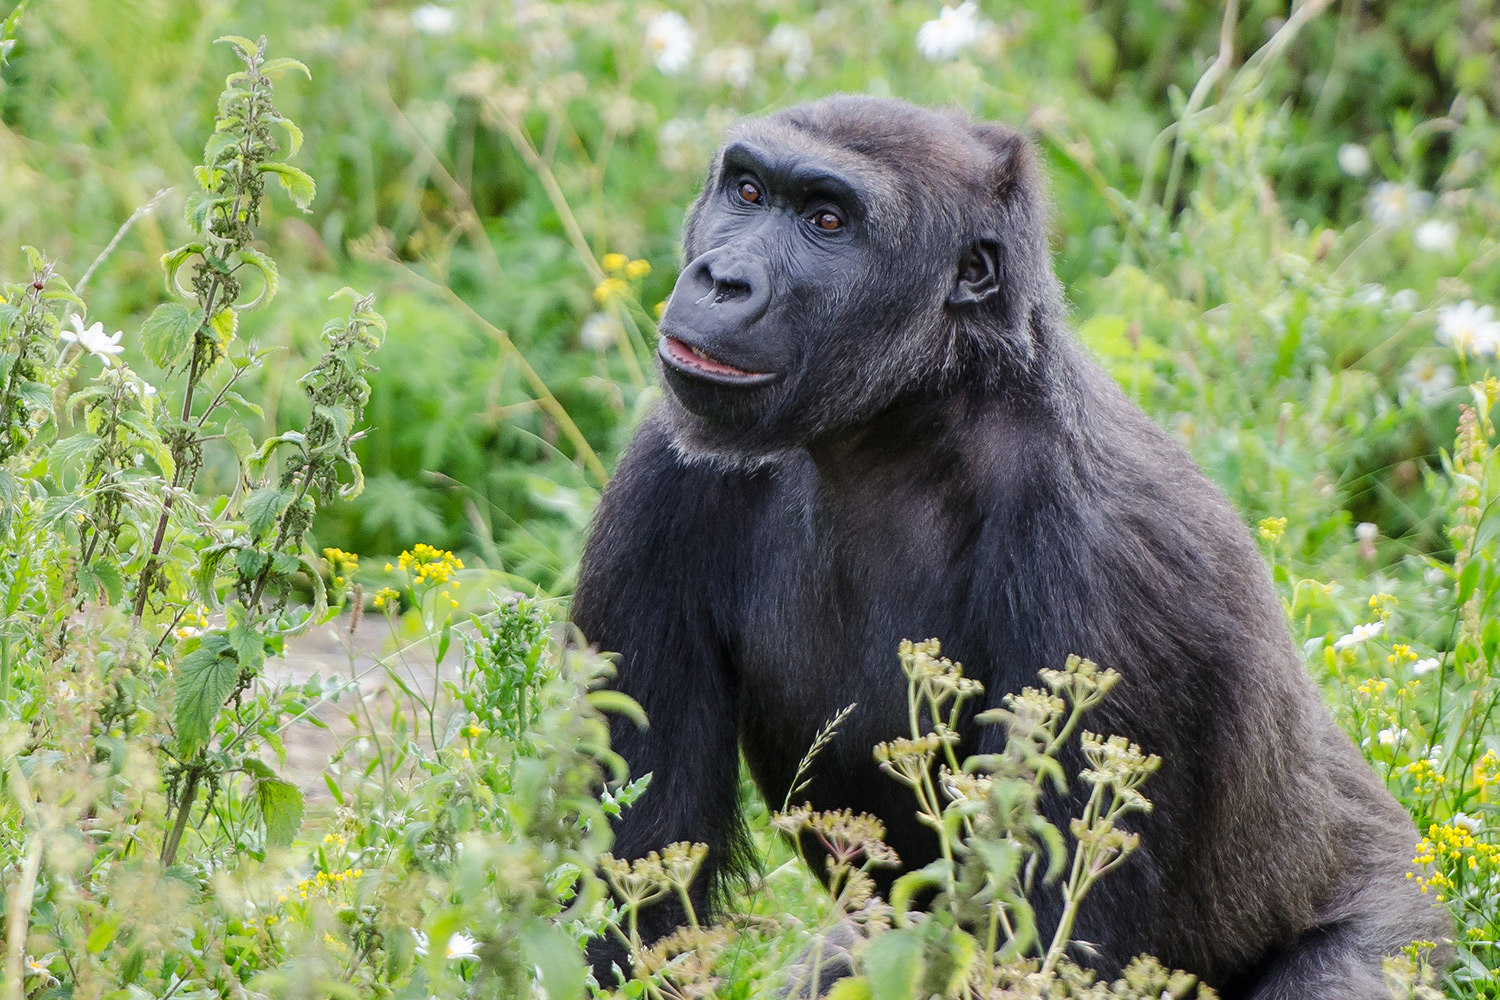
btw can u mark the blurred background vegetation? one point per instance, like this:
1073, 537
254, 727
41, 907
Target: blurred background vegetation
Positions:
475, 159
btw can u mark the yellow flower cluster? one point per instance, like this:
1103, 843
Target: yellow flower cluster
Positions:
1450, 846
430, 565
345, 565
386, 597
1401, 653
1426, 778
320, 884
1487, 770
1272, 528
1383, 604
621, 270
1372, 688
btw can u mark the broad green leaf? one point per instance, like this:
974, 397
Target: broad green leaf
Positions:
204, 680
167, 336
555, 956
297, 183
280, 805
263, 507
893, 964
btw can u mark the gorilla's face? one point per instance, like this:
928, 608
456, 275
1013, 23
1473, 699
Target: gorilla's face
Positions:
819, 287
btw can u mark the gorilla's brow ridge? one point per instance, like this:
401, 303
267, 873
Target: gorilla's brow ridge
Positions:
880, 193
796, 171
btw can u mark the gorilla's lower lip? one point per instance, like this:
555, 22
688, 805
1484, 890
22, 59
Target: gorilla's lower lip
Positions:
692, 361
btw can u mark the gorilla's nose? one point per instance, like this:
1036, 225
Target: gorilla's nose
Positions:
723, 290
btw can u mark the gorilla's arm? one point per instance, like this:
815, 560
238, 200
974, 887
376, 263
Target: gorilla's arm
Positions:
646, 591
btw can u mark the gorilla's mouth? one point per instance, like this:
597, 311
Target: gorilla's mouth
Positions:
695, 362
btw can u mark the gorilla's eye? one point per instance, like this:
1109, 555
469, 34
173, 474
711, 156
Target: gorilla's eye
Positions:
827, 221
749, 192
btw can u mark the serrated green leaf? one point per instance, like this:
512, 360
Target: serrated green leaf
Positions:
220, 143
267, 268
167, 335
263, 507
108, 576
283, 63
280, 805
296, 182
10, 494
250, 562
240, 42
223, 326
293, 134
204, 680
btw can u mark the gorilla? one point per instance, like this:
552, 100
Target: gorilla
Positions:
877, 426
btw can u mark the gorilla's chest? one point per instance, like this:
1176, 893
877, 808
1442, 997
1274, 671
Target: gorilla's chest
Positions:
829, 593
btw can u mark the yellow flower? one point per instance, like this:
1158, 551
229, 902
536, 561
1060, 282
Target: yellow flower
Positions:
637, 269
615, 262
659, 308
610, 289
385, 597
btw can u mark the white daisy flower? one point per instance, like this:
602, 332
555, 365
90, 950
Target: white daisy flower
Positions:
461, 946
433, 19
1435, 236
955, 29
1366, 531
1426, 666
1427, 379
1361, 634
1391, 737
1392, 204
1468, 328
669, 40
1354, 159
1471, 823
93, 339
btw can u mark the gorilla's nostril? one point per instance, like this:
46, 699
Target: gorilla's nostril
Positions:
726, 291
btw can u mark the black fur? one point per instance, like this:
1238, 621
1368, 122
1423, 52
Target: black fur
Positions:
935, 457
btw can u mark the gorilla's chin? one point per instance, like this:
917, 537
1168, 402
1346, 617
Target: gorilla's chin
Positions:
728, 427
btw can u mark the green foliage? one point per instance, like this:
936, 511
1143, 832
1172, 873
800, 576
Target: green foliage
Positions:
1277, 234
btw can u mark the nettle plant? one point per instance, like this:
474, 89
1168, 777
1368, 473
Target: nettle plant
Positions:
149, 842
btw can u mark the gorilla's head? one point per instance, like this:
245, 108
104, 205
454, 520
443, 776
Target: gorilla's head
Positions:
845, 255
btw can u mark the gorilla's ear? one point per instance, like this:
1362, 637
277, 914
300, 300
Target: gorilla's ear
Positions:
978, 275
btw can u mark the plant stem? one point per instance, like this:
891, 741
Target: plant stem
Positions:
184, 811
